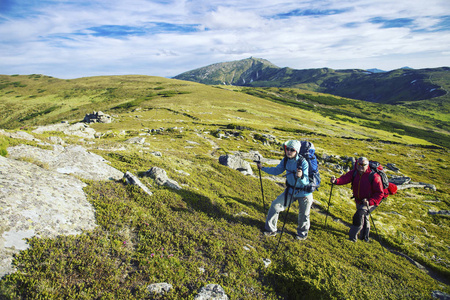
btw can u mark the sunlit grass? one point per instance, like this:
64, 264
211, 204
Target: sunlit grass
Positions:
210, 231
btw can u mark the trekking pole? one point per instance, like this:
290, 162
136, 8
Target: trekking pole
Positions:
379, 240
260, 181
329, 200
285, 217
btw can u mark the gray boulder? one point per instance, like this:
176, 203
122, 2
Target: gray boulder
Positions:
97, 117
440, 295
236, 163
400, 180
392, 167
161, 178
417, 185
136, 140
159, 288
441, 212
131, 179
211, 291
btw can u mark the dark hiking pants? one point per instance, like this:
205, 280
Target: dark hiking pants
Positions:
361, 222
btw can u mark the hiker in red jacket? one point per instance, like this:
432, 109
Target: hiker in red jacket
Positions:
367, 196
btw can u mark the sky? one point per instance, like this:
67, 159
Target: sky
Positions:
76, 38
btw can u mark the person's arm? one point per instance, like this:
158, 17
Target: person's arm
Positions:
344, 179
274, 170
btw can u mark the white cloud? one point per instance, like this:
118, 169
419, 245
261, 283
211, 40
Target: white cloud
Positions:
64, 39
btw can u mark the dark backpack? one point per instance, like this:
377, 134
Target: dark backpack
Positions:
376, 167
308, 152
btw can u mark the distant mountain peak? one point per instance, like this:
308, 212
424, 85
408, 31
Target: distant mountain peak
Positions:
375, 70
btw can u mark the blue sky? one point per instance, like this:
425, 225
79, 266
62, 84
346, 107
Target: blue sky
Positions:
78, 38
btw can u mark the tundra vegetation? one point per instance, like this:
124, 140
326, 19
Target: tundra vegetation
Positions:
210, 230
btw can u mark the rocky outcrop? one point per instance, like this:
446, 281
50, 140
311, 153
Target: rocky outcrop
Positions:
38, 202
79, 129
22, 135
74, 160
97, 117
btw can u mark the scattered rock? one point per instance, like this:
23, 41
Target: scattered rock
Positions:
417, 185
392, 167
266, 262
440, 295
161, 178
157, 153
159, 288
211, 291
441, 212
97, 117
131, 179
136, 140
236, 163
400, 180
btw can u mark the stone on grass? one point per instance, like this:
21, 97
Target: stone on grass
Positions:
211, 291
159, 288
161, 178
131, 179
236, 163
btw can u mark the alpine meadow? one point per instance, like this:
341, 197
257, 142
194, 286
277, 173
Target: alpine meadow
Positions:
209, 231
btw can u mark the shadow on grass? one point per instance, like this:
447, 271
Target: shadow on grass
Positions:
204, 204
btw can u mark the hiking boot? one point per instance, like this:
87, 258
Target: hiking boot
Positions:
300, 238
270, 233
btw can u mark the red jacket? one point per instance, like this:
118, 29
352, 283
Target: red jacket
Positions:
362, 189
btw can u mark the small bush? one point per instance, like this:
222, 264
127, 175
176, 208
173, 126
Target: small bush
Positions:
3, 146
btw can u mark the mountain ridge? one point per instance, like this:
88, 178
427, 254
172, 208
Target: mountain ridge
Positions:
392, 87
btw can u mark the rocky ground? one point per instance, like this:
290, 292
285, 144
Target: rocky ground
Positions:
41, 195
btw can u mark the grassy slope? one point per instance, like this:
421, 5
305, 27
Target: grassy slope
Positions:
167, 237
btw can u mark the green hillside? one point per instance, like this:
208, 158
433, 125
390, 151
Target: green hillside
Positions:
210, 231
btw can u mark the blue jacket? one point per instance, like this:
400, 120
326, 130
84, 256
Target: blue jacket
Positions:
291, 174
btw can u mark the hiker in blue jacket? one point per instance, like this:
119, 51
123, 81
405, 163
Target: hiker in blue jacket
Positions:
293, 175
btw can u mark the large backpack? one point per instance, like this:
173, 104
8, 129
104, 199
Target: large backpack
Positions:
376, 167
308, 152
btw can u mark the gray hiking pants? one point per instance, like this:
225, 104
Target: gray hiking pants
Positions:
277, 206
361, 222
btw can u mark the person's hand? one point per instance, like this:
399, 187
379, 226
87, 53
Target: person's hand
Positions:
365, 202
259, 165
333, 179
299, 173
